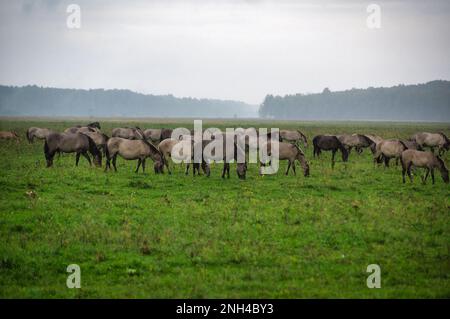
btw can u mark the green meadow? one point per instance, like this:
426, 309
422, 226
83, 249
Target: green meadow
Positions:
176, 236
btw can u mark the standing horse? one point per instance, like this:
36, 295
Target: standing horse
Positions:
423, 159
293, 137
289, 152
130, 133
388, 149
132, 150
71, 143
39, 133
94, 126
175, 149
329, 143
432, 140
356, 141
99, 139
157, 135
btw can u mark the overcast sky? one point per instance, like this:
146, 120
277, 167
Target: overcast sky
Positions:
237, 49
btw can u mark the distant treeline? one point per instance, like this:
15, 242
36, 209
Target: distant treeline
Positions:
39, 101
423, 102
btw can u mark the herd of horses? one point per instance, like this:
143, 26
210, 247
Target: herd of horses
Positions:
157, 144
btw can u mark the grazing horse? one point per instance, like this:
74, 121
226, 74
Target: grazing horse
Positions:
7, 135
157, 135
357, 141
293, 137
71, 143
132, 150
289, 152
167, 149
230, 151
388, 149
130, 133
329, 143
99, 139
432, 140
94, 126
39, 133
423, 159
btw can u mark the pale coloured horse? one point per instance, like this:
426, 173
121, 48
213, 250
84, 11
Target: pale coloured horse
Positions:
427, 160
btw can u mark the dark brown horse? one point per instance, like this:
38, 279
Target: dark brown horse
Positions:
71, 143
329, 143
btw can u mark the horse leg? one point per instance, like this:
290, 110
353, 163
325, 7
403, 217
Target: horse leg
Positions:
386, 161
403, 172
138, 165
408, 170
114, 162
86, 156
396, 161
143, 166
224, 169
77, 159
424, 179
289, 166
187, 168
293, 167
332, 158
432, 175
228, 170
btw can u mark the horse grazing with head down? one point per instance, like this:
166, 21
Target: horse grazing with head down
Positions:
427, 160
37, 132
329, 143
71, 143
9, 135
291, 153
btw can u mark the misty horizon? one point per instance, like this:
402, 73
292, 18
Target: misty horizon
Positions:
230, 50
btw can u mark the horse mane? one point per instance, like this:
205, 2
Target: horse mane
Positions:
303, 135
445, 137
153, 147
440, 161
403, 143
92, 146
367, 139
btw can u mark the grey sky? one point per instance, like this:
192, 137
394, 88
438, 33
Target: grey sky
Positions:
238, 50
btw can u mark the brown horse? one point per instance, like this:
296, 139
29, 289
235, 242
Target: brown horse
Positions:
37, 132
329, 143
130, 133
432, 140
132, 150
9, 135
157, 135
388, 149
291, 153
427, 160
71, 143
357, 141
293, 137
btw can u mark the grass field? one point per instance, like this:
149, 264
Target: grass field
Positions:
153, 236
